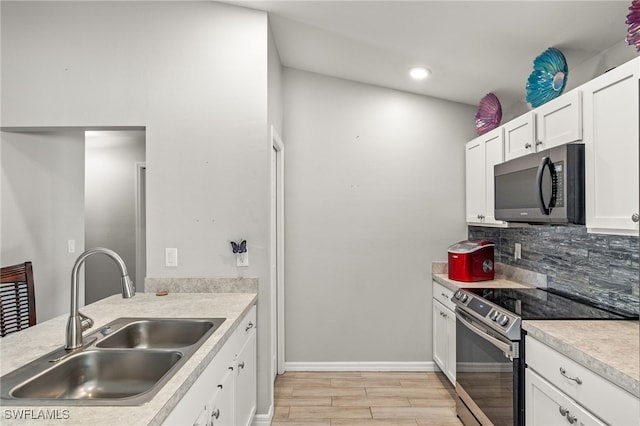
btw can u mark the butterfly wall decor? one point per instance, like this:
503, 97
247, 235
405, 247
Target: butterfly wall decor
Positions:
240, 247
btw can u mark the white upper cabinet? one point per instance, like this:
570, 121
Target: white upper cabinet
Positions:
481, 155
611, 150
559, 121
555, 123
519, 136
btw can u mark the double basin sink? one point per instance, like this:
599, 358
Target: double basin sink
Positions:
126, 362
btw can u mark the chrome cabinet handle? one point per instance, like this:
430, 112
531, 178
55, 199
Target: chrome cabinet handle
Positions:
576, 379
444, 295
571, 418
249, 327
241, 365
635, 217
539, 143
563, 411
527, 145
216, 414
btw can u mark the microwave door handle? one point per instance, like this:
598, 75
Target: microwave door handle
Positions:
504, 347
545, 162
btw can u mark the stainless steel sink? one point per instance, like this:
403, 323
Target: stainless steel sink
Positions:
100, 375
125, 362
157, 333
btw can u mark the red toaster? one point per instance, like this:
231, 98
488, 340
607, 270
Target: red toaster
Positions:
471, 260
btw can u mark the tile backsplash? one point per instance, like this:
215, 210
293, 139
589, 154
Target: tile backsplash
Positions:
601, 268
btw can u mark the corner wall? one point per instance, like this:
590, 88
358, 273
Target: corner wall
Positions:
374, 194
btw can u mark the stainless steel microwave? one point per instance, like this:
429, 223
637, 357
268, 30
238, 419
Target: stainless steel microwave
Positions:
544, 187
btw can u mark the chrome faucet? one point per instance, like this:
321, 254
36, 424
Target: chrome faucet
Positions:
79, 322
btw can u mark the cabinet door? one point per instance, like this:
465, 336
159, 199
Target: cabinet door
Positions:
519, 136
494, 154
246, 386
475, 181
482, 154
611, 150
222, 404
545, 405
439, 336
559, 121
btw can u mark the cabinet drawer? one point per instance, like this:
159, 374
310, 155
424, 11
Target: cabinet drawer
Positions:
545, 405
598, 395
443, 295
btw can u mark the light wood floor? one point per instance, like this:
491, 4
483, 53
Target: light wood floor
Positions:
364, 398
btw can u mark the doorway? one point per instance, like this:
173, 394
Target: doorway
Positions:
114, 208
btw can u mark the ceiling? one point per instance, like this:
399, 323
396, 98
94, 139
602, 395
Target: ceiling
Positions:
471, 47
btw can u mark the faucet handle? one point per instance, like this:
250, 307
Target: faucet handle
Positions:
85, 322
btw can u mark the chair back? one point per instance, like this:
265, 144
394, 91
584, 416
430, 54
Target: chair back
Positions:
17, 298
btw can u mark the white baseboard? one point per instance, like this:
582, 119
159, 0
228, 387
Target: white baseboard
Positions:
263, 419
361, 366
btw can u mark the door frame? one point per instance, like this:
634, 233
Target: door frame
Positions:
277, 253
140, 224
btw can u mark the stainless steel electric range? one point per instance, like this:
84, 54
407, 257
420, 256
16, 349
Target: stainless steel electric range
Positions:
490, 347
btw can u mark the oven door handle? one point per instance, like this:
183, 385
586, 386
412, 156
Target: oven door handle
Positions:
504, 347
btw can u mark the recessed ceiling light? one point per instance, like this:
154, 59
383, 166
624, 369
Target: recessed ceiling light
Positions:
419, 73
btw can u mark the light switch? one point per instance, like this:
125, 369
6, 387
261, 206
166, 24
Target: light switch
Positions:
171, 257
71, 246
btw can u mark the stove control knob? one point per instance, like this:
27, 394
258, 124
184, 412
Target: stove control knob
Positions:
494, 315
503, 320
457, 294
464, 298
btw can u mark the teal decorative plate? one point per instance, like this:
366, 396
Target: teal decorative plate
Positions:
549, 77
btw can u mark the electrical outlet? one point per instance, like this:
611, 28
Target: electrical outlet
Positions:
242, 259
517, 252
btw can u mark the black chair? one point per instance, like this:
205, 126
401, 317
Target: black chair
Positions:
17, 298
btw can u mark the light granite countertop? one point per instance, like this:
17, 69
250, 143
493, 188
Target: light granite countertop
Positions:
497, 283
20, 348
505, 277
608, 348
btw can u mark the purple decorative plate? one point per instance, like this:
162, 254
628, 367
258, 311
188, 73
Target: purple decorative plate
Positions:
489, 114
633, 20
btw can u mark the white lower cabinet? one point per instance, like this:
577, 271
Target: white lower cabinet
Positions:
444, 331
558, 390
547, 406
221, 408
246, 386
225, 394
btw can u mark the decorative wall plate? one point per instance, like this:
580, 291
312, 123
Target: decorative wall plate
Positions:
549, 77
633, 20
489, 114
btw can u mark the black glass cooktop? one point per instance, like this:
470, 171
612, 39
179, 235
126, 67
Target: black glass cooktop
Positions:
532, 304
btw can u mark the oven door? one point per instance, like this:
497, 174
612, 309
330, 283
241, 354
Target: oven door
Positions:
487, 371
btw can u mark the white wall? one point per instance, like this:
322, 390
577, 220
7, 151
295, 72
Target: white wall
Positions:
110, 209
194, 75
42, 207
374, 194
